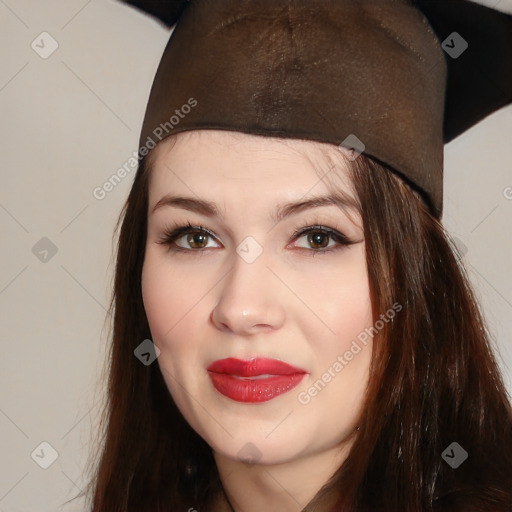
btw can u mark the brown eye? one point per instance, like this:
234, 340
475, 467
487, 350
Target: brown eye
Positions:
187, 238
318, 239
197, 240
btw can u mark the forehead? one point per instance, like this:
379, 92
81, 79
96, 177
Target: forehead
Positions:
213, 158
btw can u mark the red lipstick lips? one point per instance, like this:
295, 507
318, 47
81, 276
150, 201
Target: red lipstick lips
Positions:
254, 380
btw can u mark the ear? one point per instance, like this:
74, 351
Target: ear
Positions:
167, 11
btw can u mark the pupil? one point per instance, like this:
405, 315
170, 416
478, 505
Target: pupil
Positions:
197, 238
317, 238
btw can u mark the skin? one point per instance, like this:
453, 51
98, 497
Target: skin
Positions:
290, 304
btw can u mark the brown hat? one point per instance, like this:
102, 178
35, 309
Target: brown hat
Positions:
393, 79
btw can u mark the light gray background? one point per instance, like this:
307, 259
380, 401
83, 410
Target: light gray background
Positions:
68, 122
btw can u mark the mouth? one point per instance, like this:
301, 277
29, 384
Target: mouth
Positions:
254, 380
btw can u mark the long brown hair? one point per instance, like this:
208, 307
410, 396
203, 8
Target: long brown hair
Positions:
433, 380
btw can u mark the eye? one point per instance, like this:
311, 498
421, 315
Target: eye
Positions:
195, 238
317, 238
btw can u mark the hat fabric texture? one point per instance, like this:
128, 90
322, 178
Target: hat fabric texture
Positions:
393, 79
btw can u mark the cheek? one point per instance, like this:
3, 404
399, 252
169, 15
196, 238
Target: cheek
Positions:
159, 301
174, 301
351, 312
168, 294
339, 295
341, 348
170, 303
165, 298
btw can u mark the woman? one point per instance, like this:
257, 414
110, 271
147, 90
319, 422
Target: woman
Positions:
360, 379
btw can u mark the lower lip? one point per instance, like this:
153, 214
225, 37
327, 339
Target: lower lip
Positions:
254, 390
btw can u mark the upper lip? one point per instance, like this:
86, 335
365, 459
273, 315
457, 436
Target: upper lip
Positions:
253, 367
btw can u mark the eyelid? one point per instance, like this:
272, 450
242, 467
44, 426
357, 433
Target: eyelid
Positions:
333, 233
178, 230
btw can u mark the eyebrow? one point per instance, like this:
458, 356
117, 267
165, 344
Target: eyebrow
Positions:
210, 209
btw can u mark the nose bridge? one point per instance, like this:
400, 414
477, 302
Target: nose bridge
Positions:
249, 279
248, 297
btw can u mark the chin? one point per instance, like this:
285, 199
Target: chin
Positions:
258, 452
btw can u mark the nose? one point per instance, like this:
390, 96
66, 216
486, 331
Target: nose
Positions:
250, 299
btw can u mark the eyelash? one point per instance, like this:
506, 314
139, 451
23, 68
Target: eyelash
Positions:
177, 231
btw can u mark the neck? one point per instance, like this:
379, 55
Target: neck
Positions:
286, 487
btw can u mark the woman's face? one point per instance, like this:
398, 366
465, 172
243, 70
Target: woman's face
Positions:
228, 306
